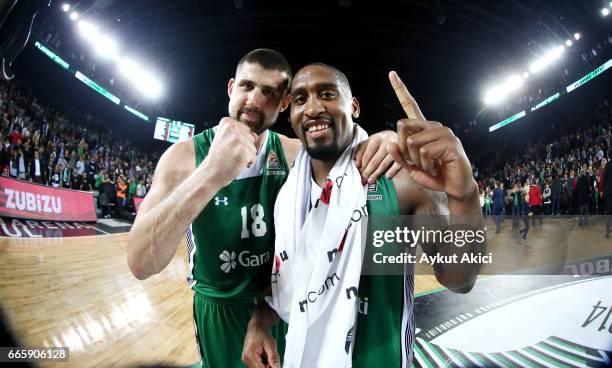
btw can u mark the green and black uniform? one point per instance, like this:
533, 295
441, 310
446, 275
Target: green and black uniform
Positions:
385, 322
230, 246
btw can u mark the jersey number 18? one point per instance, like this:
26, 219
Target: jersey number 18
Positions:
258, 226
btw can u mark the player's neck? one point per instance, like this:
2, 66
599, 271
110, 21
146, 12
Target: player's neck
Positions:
320, 170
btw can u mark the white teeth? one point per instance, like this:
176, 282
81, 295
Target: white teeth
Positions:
315, 128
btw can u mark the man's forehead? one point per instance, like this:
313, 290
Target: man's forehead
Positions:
256, 72
314, 75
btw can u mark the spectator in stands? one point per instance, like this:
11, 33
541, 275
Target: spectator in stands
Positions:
132, 186
5, 157
607, 195
498, 205
92, 169
121, 199
570, 185
76, 180
583, 193
556, 190
525, 210
546, 197
516, 204
66, 177
535, 201
80, 165
487, 202
13, 165
141, 190
21, 173
107, 193
37, 166
56, 177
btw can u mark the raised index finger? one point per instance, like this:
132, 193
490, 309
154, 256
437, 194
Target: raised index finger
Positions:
411, 108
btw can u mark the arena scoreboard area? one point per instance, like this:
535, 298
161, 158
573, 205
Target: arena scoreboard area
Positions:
173, 130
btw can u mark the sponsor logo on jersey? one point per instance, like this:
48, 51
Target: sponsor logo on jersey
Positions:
219, 201
273, 166
244, 258
229, 261
372, 188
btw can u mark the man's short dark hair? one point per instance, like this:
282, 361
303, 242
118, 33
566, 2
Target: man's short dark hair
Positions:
340, 75
269, 60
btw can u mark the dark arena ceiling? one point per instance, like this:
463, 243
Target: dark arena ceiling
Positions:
446, 51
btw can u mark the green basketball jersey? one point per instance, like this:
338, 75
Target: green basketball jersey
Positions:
385, 319
231, 242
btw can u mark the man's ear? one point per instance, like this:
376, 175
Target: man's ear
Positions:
230, 86
355, 109
285, 102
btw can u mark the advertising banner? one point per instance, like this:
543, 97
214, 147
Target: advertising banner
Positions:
38, 202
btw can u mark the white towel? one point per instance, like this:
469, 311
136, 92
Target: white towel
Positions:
318, 257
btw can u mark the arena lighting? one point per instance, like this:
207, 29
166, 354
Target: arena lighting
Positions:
496, 94
65, 7
605, 12
577, 36
598, 71
87, 29
74, 16
526, 75
106, 47
568, 43
546, 60
141, 79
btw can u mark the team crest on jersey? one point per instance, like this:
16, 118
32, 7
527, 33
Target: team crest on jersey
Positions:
372, 187
273, 166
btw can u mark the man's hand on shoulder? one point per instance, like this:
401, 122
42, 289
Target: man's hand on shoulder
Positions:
372, 158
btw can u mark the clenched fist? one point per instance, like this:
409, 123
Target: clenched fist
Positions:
232, 150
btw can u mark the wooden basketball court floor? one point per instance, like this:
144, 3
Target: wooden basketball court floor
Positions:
78, 292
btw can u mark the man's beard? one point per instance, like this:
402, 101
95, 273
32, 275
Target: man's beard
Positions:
257, 126
324, 153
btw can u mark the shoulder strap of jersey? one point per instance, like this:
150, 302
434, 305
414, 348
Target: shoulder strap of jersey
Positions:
386, 187
201, 143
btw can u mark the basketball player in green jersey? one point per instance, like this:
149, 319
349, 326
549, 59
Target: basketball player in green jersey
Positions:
219, 188
436, 179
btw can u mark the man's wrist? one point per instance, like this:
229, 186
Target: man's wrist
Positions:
207, 175
466, 204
